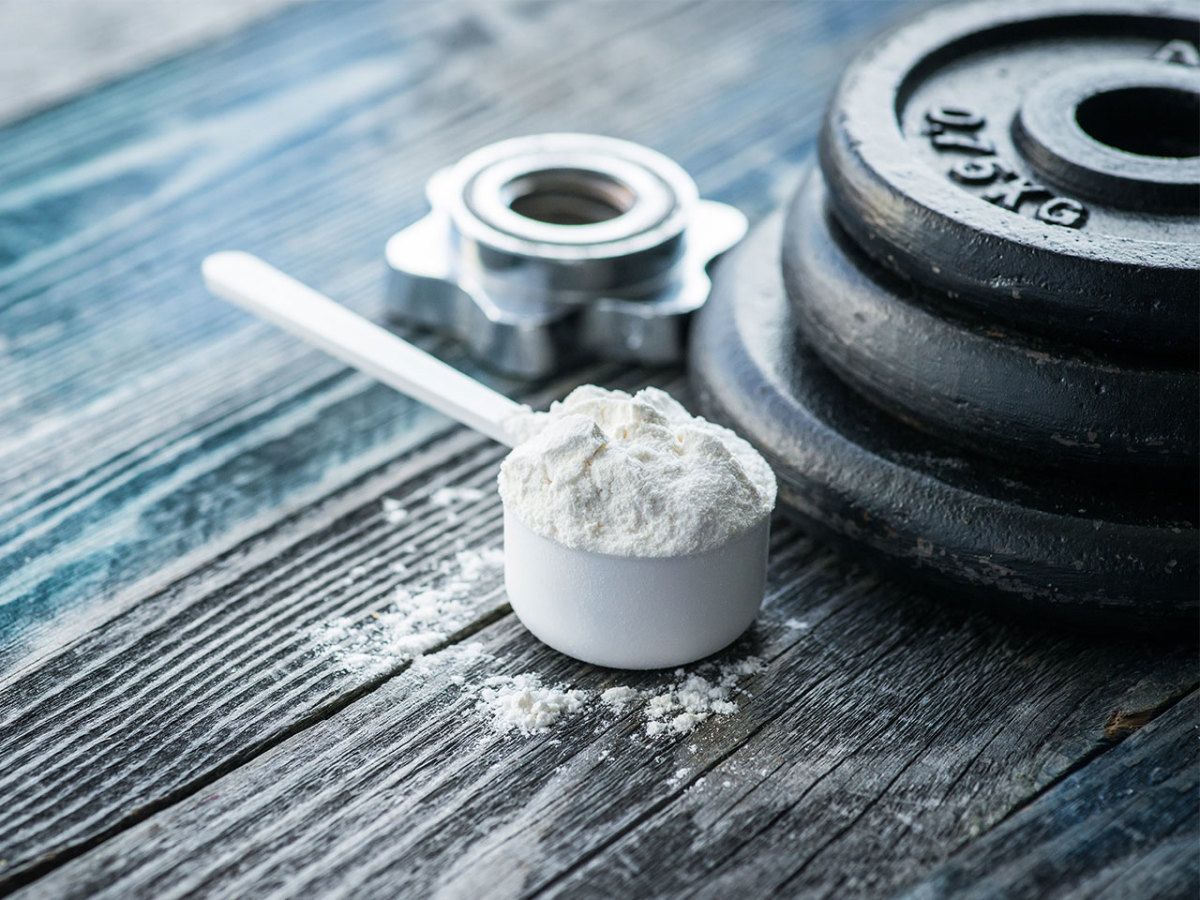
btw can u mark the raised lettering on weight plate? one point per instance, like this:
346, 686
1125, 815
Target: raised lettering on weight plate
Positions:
1183, 53
955, 117
968, 143
955, 128
979, 171
1011, 194
1062, 211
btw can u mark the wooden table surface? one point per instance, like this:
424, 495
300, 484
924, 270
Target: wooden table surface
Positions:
191, 504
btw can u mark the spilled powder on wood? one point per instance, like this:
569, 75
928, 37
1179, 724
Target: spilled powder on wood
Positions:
617, 698
527, 704
451, 499
414, 622
694, 698
393, 511
453, 496
452, 663
524, 704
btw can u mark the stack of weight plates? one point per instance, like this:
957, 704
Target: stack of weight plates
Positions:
969, 346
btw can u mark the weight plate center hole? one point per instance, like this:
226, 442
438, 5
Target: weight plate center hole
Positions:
1147, 121
569, 197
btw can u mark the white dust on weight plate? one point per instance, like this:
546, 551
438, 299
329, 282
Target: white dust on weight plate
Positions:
416, 622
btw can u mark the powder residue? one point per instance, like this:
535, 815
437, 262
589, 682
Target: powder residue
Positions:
617, 698
691, 698
453, 496
633, 476
414, 621
451, 663
525, 704
393, 511
451, 499
528, 704
695, 698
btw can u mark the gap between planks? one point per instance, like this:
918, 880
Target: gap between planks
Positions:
398, 742
361, 491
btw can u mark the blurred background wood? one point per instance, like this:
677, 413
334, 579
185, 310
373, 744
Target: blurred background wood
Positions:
51, 50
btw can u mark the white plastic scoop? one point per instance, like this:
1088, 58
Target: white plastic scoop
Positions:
619, 611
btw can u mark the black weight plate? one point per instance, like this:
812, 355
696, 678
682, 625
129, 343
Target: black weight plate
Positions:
1097, 554
1002, 394
956, 154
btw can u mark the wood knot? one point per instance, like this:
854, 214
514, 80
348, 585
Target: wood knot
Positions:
1124, 722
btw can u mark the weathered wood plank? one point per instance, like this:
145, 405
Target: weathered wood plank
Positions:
208, 491
130, 395
49, 51
1125, 826
147, 427
173, 465
868, 785
197, 679
884, 732
231, 659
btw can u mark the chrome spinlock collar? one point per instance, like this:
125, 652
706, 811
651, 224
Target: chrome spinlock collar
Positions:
540, 250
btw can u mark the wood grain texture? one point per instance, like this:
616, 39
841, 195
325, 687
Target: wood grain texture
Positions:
202, 676
147, 427
1124, 827
184, 491
52, 51
885, 732
186, 497
198, 678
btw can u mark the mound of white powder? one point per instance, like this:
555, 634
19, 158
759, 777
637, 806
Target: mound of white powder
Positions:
633, 476
522, 702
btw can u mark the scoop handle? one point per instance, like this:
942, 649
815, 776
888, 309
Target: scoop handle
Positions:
260, 288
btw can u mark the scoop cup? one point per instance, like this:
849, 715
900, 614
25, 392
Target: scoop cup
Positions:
624, 612
631, 612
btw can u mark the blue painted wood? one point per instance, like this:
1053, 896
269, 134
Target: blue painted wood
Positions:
147, 426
